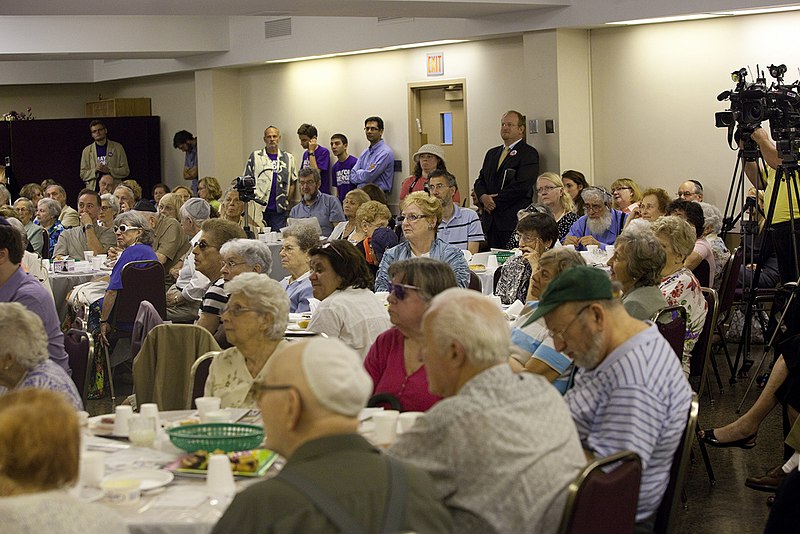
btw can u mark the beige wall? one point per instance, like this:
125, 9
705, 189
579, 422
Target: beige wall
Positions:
654, 94
337, 94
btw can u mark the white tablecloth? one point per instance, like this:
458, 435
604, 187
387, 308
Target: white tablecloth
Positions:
62, 284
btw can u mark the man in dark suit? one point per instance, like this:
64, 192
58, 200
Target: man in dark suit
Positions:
507, 180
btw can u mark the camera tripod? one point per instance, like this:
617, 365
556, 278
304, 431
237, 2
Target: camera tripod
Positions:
786, 174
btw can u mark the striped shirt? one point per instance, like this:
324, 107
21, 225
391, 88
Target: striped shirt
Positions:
215, 298
637, 399
531, 339
463, 227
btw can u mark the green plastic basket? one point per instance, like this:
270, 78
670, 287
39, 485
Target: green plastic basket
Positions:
227, 437
503, 256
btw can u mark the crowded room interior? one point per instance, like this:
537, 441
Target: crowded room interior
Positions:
429, 266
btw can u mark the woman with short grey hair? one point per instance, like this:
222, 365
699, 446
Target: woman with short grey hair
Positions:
255, 320
713, 226
25, 361
33, 232
637, 264
109, 209
134, 238
244, 255
678, 285
297, 241
47, 213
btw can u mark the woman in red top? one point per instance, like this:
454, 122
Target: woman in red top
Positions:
393, 360
428, 158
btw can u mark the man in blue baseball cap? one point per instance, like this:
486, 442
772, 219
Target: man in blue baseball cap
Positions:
630, 392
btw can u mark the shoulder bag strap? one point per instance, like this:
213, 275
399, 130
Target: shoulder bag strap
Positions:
340, 517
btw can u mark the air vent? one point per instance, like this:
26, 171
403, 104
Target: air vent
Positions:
278, 28
394, 20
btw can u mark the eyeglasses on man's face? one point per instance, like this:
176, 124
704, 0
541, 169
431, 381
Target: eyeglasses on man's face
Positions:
559, 335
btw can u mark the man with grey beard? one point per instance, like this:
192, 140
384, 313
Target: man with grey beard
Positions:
630, 392
315, 203
600, 226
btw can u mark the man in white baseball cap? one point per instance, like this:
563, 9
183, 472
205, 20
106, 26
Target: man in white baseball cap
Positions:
334, 478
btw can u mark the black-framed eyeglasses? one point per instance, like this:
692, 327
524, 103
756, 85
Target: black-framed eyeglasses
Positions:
560, 334
124, 228
622, 188
399, 290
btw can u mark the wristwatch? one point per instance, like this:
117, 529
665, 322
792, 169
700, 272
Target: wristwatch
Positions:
87, 226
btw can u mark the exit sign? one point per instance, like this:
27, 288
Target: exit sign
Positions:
436, 64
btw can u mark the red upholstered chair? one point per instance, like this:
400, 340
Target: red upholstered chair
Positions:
604, 500
671, 322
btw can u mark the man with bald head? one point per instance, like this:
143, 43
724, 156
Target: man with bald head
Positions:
310, 402
501, 447
691, 190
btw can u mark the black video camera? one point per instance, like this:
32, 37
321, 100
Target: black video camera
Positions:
246, 187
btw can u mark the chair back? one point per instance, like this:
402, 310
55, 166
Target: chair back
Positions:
387, 399
45, 252
702, 348
703, 273
199, 374
668, 509
475, 282
601, 500
80, 349
496, 278
145, 281
671, 323
730, 277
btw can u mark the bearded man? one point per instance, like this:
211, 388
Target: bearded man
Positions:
600, 225
326, 208
630, 392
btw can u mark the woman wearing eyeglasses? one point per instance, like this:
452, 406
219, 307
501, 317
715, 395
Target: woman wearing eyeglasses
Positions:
393, 360
255, 319
348, 310
537, 232
626, 194
297, 241
134, 239
207, 259
109, 209
420, 216
532, 346
551, 193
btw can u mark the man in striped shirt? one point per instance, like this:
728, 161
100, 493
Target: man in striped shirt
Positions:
460, 227
630, 392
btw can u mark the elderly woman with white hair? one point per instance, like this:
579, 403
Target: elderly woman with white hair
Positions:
109, 209
713, 219
255, 320
297, 241
245, 256
185, 295
25, 361
25, 213
678, 285
47, 212
600, 225
637, 263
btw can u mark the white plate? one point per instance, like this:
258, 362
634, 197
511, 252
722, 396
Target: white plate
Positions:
148, 478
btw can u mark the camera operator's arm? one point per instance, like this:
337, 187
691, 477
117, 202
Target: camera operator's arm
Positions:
767, 147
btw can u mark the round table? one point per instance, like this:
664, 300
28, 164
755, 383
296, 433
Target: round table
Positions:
62, 284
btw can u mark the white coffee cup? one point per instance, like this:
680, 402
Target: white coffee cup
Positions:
88, 255
205, 405
92, 468
219, 480
592, 249
121, 416
97, 263
491, 262
407, 419
150, 409
385, 426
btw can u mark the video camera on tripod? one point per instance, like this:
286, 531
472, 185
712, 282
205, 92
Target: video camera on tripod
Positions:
753, 103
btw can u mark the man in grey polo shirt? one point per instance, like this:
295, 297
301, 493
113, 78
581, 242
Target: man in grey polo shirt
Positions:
630, 392
315, 203
501, 447
88, 235
460, 227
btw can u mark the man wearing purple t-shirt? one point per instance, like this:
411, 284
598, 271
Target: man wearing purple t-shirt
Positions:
340, 173
315, 156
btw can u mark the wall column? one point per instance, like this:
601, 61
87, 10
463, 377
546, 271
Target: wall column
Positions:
219, 124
